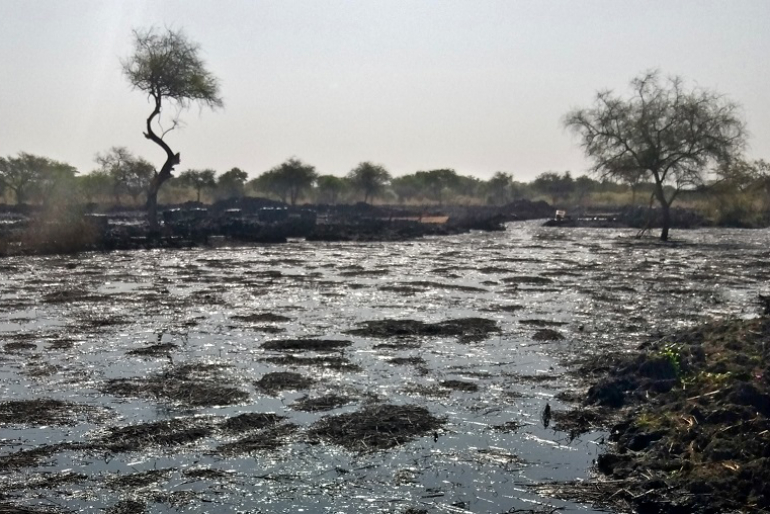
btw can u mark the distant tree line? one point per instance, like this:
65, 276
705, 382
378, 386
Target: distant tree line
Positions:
663, 142
738, 194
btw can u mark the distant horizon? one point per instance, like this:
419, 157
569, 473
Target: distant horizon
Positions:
478, 87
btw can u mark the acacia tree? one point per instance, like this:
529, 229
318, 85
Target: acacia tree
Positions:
29, 174
129, 174
500, 188
329, 189
166, 66
437, 182
198, 180
288, 180
230, 184
662, 132
369, 178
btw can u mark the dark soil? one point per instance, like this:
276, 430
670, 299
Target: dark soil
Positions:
312, 345
694, 434
322, 403
272, 383
376, 427
465, 329
196, 384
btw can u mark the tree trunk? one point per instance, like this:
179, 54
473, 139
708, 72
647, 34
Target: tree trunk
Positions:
172, 159
665, 206
666, 221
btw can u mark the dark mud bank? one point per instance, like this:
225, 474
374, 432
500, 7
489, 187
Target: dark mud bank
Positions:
692, 429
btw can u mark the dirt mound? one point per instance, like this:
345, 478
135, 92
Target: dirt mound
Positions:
465, 329
377, 427
695, 433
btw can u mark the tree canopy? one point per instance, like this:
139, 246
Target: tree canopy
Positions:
663, 132
27, 175
128, 174
368, 178
288, 180
166, 66
198, 180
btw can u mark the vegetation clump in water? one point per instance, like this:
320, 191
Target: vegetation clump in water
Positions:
173, 432
313, 345
465, 329
321, 403
195, 384
326, 362
376, 427
43, 411
272, 383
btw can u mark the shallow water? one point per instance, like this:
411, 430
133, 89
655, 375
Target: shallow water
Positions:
601, 289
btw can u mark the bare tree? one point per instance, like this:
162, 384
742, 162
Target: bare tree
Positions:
662, 132
166, 66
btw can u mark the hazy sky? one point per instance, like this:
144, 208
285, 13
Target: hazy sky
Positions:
474, 85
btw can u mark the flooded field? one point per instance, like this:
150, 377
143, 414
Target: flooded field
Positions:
334, 377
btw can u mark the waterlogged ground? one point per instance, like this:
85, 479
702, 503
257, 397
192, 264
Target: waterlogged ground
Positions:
257, 379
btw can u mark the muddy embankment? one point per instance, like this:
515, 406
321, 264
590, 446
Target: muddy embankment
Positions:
248, 220
689, 422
